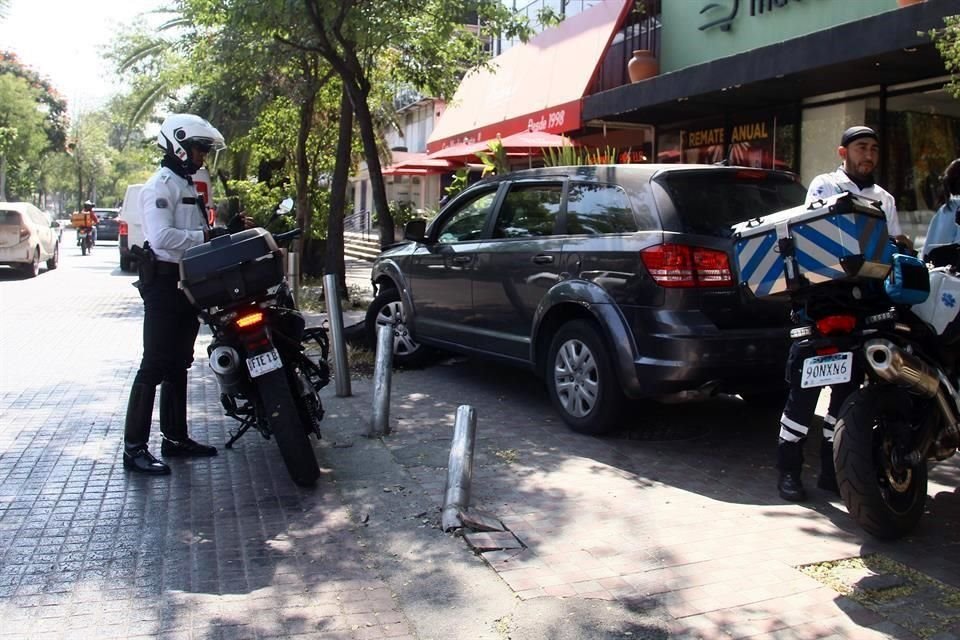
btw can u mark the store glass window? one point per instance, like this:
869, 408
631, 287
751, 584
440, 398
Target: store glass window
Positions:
922, 137
761, 139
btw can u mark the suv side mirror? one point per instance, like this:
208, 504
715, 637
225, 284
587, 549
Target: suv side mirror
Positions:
416, 230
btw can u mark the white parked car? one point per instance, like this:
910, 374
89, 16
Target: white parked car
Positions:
131, 227
28, 237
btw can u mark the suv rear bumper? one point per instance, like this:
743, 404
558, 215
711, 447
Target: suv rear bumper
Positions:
733, 360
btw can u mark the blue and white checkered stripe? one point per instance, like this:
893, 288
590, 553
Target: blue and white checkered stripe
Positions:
820, 244
761, 265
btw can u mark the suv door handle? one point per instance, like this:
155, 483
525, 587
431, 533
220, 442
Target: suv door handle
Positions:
542, 259
462, 259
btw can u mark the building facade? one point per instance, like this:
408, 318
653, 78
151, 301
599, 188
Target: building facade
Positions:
764, 83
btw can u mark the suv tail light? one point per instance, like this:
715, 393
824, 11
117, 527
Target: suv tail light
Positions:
24, 233
682, 266
122, 228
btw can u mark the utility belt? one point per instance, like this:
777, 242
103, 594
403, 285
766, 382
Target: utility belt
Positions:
149, 267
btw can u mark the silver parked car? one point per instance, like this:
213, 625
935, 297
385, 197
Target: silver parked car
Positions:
28, 237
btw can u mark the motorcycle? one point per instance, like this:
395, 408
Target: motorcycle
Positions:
269, 367
907, 414
85, 240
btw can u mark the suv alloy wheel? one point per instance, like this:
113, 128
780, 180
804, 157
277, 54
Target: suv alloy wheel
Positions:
581, 380
386, 309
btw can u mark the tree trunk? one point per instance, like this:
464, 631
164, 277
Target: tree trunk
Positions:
3, 177
369, 138
338, 196
304, 211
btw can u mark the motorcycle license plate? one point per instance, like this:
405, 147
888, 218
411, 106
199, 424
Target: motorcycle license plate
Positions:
820, 371
264, 363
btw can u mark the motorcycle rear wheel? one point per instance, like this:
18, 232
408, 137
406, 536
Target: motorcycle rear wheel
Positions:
885, 498
281, 413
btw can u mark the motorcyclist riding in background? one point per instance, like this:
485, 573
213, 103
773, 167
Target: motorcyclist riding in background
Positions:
91, 219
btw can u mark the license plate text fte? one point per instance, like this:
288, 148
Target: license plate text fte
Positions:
263, 363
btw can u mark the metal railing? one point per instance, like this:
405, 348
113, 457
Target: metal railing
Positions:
360, 222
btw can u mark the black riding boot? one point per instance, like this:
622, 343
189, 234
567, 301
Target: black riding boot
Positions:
827, 480
173, 423
136, 432
790, 464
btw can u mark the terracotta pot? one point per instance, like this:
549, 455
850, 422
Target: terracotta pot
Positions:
642, 65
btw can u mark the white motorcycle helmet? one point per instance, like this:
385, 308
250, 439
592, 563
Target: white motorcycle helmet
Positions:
181, 131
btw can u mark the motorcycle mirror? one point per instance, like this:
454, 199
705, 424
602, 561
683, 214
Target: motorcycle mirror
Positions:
285, 206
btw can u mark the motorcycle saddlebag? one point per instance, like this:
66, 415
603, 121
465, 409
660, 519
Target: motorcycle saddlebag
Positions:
231, 268
842, 237
909, 280
941, 309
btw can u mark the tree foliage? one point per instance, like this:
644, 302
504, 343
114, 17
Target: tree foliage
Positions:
22, 137
947, 41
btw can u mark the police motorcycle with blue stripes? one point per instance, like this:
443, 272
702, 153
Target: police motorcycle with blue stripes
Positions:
867, 310
269, 367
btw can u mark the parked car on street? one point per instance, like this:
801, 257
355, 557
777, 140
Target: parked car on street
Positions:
130, 227
28, 237
610, 281
107, 226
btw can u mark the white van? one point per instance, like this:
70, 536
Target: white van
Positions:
131, 227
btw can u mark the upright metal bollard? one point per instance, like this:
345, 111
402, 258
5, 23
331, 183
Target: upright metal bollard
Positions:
456, 496
382, 374
341, 371
293, 275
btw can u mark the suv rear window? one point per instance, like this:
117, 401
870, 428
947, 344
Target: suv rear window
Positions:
710, 202
10, 217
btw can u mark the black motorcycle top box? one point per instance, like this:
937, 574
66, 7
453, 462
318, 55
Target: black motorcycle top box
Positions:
230, 268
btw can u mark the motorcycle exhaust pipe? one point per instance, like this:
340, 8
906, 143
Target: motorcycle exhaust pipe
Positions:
894, 365
897, 366
225, 363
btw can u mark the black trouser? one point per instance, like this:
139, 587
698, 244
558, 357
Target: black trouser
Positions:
802, 403
170, 329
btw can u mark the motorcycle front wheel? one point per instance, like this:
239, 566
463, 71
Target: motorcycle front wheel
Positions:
280, 411
884, 495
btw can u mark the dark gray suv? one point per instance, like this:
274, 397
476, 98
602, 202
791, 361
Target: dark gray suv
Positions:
610, 281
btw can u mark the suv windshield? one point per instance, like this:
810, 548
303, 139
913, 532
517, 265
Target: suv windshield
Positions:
710, 202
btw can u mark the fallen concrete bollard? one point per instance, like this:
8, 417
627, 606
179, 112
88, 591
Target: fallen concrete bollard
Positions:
459, 468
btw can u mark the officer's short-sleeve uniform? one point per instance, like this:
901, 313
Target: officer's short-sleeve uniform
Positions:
831, 184
172, 221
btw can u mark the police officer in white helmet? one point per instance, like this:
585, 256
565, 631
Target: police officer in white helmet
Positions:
174, 220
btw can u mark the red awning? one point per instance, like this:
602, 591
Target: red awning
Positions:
521, 144
418, 164
535, 86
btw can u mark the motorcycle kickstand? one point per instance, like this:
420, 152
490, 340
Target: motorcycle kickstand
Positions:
245, 425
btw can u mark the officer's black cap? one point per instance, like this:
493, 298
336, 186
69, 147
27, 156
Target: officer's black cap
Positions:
855, 133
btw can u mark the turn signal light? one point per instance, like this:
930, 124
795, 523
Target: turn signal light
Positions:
831, 325
250, 319
682, 266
